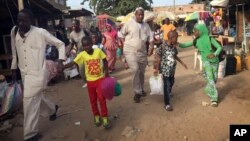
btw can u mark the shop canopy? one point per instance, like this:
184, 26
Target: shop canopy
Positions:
148, 16
182, 16
198, 15
166, 14
219, 3
106, 16
71, 13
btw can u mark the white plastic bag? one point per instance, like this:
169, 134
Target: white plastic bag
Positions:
156, 85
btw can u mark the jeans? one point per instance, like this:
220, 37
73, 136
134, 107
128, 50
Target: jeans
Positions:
168, 84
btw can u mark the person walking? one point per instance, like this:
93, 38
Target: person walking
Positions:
209, 57
136, 33
166, 27
96, 67
75, 42
28, 45
165, 61
61, 32
110, 44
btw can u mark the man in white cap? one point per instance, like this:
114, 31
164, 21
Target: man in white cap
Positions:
136, 33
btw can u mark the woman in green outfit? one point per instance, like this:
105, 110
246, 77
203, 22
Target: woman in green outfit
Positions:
209, 59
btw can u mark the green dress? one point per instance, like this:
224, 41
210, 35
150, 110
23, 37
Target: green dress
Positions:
210, 66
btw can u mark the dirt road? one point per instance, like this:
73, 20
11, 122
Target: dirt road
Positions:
148, 121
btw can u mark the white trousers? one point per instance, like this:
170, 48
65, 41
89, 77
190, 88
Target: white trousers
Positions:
137, 66
33, 107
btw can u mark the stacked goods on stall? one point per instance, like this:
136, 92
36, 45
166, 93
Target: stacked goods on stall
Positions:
222, 69
238, 63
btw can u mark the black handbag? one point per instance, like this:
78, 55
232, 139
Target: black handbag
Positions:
51, 53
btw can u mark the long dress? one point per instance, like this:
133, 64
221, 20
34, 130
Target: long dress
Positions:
110, 46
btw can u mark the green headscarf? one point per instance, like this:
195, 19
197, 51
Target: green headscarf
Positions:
203, 41
203, 44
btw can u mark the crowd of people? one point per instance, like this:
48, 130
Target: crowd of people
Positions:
94, 55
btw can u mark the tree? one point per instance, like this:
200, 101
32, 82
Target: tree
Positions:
117, 7
196, 1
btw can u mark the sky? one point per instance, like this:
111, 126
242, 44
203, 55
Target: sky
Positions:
75, 4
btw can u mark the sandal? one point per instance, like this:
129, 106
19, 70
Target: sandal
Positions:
214, 104
53, 116
137, 98
37, 137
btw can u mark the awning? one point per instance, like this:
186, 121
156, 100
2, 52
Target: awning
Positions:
77, 13
219, 3
182, 16
40, 9
198, 15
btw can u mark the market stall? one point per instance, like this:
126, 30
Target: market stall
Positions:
234, 16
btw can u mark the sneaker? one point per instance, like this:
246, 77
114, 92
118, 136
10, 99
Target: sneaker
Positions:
97, 121
168, 108
105, 122
214, 104
137, 98
84, 85
54, 116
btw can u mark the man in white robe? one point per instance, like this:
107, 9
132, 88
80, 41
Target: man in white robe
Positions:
136, 34
28, 51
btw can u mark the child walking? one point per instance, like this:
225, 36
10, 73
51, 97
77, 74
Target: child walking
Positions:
209, 57
96, 68
95, 42
166, 57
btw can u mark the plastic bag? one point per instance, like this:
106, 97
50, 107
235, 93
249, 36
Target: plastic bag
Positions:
12, 98
3, 87
118, 89
156, 85
70, 72
107, 87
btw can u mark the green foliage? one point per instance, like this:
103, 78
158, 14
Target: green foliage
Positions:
117, 7
197, 1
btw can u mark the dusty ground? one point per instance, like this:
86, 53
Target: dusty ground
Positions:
148, 121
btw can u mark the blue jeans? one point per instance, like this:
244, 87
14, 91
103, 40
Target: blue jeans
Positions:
168, 84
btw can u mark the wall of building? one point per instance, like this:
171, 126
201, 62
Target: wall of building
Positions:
181, 9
